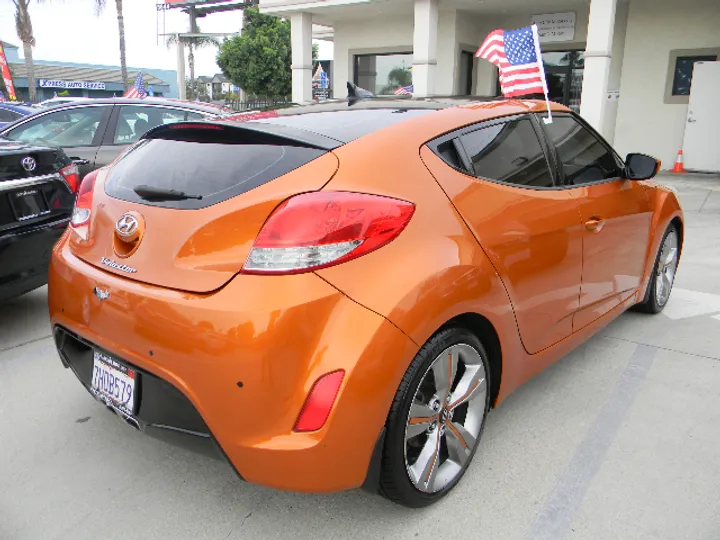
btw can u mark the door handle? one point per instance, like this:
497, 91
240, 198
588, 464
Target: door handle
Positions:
692, 120
594, 224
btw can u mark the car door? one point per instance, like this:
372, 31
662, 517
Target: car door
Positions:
500, 181
130, 122
78, 130
615, 212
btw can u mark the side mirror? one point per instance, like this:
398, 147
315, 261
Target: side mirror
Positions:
641, 167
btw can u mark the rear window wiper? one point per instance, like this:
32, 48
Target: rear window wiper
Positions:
150, 193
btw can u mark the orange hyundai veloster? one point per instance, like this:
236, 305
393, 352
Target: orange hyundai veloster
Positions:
333, 296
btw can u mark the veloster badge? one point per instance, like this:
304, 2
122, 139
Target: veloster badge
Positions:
118, 266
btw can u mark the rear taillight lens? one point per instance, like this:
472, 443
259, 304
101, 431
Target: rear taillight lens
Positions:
71, 174
83, 204
320, 229
319, 402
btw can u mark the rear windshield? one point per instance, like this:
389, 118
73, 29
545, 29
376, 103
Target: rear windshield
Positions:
213, 171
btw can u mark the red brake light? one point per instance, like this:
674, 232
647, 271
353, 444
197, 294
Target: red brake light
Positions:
83, 203
320, 229
71, 173
319, 402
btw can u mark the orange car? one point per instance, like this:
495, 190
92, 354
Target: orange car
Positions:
334, 296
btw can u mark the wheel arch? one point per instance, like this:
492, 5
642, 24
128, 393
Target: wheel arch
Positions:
483, 329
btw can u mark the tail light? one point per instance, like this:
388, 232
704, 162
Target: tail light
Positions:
71, 174
320, 229
83, 203
319, 402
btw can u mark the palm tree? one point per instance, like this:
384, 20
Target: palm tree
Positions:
23, 26
192, 43
99, 7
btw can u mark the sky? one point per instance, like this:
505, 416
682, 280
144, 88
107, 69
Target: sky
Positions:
69, 31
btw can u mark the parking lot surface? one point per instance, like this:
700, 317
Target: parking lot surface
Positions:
618, 440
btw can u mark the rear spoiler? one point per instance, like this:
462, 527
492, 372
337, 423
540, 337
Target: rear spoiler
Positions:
242, 132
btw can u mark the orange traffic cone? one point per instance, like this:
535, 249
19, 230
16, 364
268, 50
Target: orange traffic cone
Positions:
678, 168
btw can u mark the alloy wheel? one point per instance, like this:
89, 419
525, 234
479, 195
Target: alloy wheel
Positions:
445, 419
666, 268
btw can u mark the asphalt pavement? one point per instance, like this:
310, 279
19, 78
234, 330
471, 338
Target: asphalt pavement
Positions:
618, 440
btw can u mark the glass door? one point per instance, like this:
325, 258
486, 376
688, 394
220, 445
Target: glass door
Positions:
564, 74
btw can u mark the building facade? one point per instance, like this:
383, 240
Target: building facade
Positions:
83, 80
625, 65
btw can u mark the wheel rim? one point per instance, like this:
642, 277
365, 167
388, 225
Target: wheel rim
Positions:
666, 267
445, 418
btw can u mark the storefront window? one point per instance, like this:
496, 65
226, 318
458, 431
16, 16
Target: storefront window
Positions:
682, 77
564, 74
382, 74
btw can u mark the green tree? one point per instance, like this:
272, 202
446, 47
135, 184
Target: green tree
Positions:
23, 26
258, 60
99, 6
397, 78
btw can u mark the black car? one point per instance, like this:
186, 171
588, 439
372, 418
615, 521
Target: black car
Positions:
96, 131
37, 194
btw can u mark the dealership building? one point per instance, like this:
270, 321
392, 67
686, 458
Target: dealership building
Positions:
83, 80
628, 66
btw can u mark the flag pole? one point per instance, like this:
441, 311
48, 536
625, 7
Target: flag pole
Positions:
538, 56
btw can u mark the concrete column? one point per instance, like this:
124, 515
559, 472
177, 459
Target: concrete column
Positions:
301, 42
597, 62
425, 47
182, 94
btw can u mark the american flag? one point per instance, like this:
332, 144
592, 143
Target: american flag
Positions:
137, 90
404, 91
516, 54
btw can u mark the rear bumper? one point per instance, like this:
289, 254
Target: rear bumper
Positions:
25, 257
244, 359
165, 414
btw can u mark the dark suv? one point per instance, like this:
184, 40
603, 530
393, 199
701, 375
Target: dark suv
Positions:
37, 192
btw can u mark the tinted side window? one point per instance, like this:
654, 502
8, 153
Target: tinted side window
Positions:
8, 116
74, 127
509, 152
584, 159
135, 121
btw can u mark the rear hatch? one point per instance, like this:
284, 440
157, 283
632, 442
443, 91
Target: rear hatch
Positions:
200, 193
32, 190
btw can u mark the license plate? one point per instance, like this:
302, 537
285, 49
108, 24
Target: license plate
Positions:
114, 383
28, 204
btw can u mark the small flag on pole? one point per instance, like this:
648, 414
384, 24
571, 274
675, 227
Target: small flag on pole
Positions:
404, 91
516, 53
137, 90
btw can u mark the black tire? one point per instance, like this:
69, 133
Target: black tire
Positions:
649, 303
395, 483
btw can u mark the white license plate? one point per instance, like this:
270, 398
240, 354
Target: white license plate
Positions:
114, 382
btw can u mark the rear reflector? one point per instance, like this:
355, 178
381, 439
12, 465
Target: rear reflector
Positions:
71, 174
320, 229
83, 204
319, 402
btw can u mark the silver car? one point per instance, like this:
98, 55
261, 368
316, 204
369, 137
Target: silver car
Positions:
94, 132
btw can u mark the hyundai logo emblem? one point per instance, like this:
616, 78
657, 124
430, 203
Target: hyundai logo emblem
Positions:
127, 225
28, 163
101, 294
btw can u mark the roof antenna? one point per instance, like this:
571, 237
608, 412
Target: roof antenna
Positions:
355, 91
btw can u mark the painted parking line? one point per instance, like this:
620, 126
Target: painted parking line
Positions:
558, 513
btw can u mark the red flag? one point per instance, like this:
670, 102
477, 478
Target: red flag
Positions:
6, 75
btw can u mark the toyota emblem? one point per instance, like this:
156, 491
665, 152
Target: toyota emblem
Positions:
28, 163
127, 225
